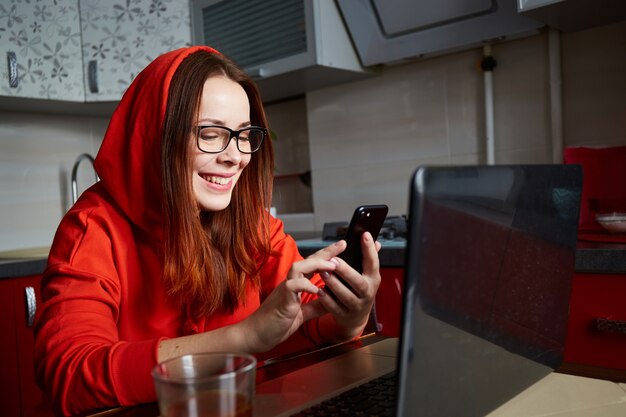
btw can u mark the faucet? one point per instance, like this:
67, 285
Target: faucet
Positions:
75, 171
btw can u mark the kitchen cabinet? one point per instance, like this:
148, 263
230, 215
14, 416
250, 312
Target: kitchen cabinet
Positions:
573, 15
120, 38
19, 395
40, 50
84, 50
9, 385
596, 338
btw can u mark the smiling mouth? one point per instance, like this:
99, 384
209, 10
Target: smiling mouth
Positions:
216, 180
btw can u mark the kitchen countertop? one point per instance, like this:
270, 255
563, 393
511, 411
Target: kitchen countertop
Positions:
592, 257
391, 254
23, 262
13, 268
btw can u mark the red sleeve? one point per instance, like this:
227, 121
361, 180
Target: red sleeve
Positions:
81, 363
284, 254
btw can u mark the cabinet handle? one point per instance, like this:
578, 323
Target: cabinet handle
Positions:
12, 65
31, 305
92, 75
611, 326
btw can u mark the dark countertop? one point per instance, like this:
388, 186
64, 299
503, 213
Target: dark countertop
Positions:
391, 254
593, 257
596, 257
13, 268
23, 262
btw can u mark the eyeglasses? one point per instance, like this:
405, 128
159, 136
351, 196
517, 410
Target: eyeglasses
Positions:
215, 139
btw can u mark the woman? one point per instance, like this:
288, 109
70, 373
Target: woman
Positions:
174, 252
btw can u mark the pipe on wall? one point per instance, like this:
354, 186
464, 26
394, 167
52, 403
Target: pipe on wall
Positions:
556, 95
488, 64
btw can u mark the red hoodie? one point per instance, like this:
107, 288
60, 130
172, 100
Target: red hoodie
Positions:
104, 307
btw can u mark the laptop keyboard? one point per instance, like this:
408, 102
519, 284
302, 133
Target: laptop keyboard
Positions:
374, 398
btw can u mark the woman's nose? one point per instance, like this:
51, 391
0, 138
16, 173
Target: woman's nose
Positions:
231, 153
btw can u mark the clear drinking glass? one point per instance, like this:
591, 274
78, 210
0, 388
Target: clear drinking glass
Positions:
206, 385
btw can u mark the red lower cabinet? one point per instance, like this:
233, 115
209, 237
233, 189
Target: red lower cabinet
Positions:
19, 395
596, 336
10, 373
596, 339
389, 301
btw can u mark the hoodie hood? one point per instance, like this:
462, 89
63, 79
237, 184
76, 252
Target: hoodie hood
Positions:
129, 160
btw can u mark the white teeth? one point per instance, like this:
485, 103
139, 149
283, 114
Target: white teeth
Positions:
218, 180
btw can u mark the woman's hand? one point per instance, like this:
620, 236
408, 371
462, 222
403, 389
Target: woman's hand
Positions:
280, 315
282, 312
350, 308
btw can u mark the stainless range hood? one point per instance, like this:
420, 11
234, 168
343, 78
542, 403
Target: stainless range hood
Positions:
289, 46
386, 32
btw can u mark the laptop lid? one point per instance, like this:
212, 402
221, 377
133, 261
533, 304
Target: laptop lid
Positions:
489, 262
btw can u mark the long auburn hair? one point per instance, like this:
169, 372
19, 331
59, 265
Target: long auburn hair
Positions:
211, 256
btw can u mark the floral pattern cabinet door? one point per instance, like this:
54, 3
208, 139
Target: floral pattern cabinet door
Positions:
40, 50
120, 37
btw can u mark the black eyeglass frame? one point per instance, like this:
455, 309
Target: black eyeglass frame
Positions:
233, 134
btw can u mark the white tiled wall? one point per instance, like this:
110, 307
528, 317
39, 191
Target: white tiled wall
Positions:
367, 137
364, 138
37, 152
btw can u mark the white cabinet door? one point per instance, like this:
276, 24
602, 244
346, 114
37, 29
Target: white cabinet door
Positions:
40, 50
120, 37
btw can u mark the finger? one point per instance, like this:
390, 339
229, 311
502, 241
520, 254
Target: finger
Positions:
370, 255
330, 251
298, 285
346, 293
330, 303
356, 282
309, 266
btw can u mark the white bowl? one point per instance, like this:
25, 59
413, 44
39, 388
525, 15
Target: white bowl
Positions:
613, 222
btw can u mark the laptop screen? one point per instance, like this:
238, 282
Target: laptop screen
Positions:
489, 262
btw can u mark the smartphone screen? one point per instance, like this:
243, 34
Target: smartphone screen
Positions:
368, 218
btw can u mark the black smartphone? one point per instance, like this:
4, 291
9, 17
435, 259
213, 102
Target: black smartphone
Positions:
369, 218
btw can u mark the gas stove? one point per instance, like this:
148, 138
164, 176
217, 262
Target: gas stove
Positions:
394, 230
392, 237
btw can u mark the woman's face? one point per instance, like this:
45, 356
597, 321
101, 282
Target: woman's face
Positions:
223, 103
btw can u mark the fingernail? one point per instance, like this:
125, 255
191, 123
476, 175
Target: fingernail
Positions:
335, 261
337, 243
367, 237
321, 292
325, 275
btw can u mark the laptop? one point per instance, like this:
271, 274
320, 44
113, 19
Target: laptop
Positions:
489, 262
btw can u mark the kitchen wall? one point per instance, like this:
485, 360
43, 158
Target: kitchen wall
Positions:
288, 121
594, 79
364, 138
367, 137
37, 152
